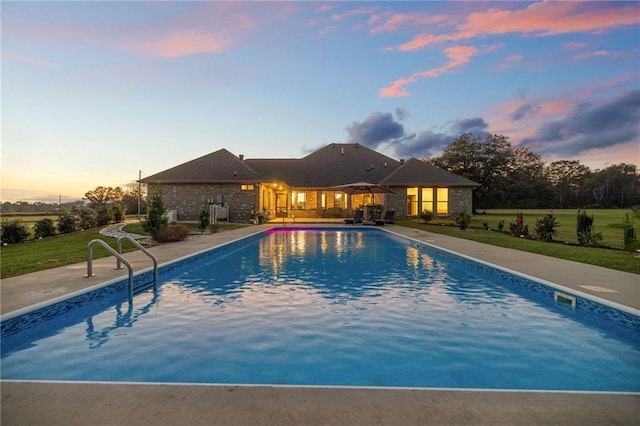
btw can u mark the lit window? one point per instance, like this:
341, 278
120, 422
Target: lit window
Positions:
247, 187
442, 201
427, 200
412, 201
298, 200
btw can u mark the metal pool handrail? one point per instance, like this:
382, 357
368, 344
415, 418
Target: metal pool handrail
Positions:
117, 255
145, 251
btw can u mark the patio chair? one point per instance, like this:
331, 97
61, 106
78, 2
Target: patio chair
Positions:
357, 218
387, 219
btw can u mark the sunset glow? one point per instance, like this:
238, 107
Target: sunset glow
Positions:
95, 93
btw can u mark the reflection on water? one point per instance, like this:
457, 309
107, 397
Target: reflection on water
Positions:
124, 319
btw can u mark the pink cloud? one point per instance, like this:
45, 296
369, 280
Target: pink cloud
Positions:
175, 44
509, 62
544, 19
398, 20
458, 56
20, 57
594, 54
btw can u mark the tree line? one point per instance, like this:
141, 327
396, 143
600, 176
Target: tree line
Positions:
518, 177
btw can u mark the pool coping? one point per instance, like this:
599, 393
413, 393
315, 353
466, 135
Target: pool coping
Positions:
73, 403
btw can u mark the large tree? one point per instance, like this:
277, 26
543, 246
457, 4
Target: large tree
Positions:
484, 161
568, 178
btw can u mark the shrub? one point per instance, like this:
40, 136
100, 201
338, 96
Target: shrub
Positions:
462, 219
204, 219
426, 216
44, 228
518, 228
67, 222
118, 212
171, 234
156, 218
584, 222
13, 232
104, 216
546, 227
587, 236
632, 225
500, 225
87, 218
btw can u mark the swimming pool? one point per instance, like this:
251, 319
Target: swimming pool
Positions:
332, 307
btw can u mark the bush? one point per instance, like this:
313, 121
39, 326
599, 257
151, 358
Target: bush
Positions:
13, 232
44, 228
587, 236
156, 218
632, 225
546, 227
584, 223
462, 219
518, 228
426, 216
118, 212
500, 225
171, 234
204, 219
87, 218
67, 223
104, 216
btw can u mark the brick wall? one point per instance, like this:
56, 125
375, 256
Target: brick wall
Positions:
190, 200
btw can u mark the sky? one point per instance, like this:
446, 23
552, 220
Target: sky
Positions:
98, 93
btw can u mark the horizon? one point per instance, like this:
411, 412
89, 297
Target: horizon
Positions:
117, 88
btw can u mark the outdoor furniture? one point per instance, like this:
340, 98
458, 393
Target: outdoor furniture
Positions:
357, 218
387, 219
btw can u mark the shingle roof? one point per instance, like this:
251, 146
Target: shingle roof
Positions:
218, 167
331, 165
415, 172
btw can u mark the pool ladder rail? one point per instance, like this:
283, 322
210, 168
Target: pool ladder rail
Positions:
121, 260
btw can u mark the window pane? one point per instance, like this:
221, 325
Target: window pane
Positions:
412, 201
442, 197
427, 199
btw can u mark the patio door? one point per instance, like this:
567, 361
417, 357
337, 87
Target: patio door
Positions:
281, 204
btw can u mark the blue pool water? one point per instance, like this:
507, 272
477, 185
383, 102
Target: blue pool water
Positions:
324, 307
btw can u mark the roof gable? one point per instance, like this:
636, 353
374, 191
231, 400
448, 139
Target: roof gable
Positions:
219, 166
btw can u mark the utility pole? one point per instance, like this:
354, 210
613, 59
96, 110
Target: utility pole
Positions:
139, 193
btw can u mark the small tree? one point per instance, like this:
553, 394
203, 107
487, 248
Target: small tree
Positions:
13, 232
118, 212
632, 225
156, 218
44, 228
546, 227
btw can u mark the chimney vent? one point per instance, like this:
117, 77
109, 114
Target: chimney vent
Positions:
241, 157
402, 161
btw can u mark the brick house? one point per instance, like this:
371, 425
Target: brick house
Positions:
303, 187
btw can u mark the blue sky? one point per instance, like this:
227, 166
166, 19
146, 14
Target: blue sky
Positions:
93, 92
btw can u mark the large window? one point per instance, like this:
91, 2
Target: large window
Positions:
442, 201
298, 200
334, 199
412, 201
427, 200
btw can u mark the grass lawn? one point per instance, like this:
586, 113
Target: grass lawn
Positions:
66, 249
606, 221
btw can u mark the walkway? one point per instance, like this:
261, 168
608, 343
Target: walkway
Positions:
99, 403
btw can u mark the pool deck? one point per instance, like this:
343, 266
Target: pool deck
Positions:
52, 403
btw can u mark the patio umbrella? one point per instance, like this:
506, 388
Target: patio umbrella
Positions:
363, 188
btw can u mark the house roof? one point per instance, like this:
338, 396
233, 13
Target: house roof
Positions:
331, 165
415, 172
220, 167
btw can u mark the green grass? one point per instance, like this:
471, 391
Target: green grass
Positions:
605, 257
66, 249
52, 252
